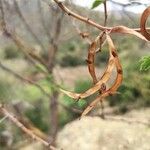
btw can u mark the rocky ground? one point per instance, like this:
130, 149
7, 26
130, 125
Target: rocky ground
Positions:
126, 132
93, 133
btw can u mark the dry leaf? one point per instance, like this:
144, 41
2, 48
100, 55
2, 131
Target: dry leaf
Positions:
126, 30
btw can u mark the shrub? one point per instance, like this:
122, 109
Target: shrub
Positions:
134, 90
5, 90
11, 52
70, 60
37, 115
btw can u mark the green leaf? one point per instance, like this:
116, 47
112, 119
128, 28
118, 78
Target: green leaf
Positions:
145, 63
97, 3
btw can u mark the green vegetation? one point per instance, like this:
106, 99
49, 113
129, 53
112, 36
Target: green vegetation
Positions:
72, 61
133, 93
96, 3
145, 63
11, 52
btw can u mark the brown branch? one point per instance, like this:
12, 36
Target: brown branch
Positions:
79, 17
105, 11
27, 122
13, 119
25, 49
42, 21
89, 21
53, 45
77, 111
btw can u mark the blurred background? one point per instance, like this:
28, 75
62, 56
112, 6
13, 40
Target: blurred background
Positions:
41, 50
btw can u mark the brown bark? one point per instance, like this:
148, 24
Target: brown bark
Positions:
51, 62
54, 114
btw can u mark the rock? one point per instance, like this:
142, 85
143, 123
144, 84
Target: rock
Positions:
33, 146
93, 133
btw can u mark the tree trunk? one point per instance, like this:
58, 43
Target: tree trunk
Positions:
54, 114
54, 95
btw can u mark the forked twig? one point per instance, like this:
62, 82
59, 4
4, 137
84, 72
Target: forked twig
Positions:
18, 76
19, 13
25, 48
117, 29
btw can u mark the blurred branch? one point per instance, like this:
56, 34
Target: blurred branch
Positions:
131, 3
1, 120
23, 79
27, 51
19, 13
132, 19
124, 6
38, 86
105, 11
53, 45
13, 119
45, 27
28, 124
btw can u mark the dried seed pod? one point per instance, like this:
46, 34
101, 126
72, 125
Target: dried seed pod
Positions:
114, 87
91, 59
98, 85
143, 20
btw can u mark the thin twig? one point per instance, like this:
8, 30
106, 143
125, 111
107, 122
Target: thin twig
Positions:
79, 17
1, 120
19, 13
105, 11
13, 118
42, 21
25, 48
